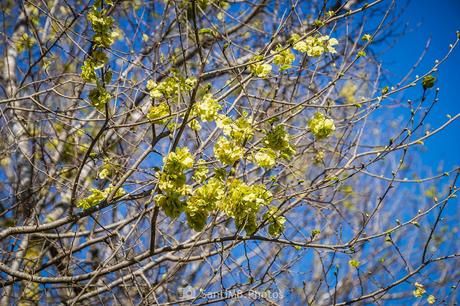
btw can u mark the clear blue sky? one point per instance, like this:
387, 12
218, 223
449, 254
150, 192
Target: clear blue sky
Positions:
438, 20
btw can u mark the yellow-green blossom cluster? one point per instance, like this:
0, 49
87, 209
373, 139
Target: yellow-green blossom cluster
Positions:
348, 92
97, 196
102, 25
201, 171
265, 157
95, 61
203, 200
283, 58
25, 42
277, 139
354, 263
158, 111
227, 151
172, 182
235, 198
103, 38
99, 96
172, 178
207, 108
240, 130
366, 37
242, 202
276, 222
428, 81
260, 69
315, 45
230, 149
170, 87
321, 126
106, 169
419, 290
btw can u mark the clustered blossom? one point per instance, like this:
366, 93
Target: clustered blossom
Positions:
354, 263
227, 151
276, 221
428, 81
314, 46
283, 58
25, 42
276, 145
207, 108
265, 157
97, 196
99, 96
102, 25
172, 178
103, 38
106, 169
260, 69
367, 37
431, 299
159, 111
240, 130
348, 92
170, 87
203, 200
97, 60
230, 149
201, 171
419, 290
235, 198
172, 182
242, 202
277, 139
321, 126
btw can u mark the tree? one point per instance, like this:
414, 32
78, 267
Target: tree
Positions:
203, 151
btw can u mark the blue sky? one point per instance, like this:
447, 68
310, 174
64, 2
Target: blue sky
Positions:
438, 20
